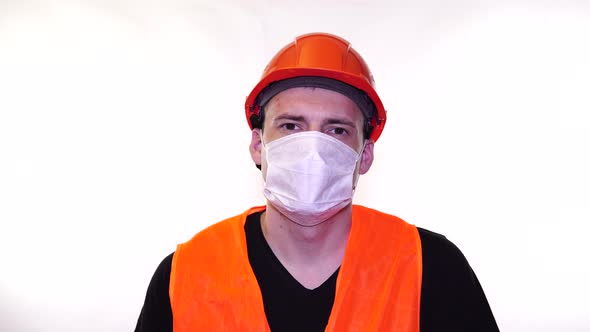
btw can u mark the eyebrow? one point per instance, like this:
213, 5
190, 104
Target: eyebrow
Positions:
300, 118
341, 121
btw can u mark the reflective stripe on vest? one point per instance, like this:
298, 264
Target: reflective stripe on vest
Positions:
213, 287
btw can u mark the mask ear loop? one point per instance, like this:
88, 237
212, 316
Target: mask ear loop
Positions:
360, 155
263, 148
359, 159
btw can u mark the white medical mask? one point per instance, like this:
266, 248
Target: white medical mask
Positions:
309, 175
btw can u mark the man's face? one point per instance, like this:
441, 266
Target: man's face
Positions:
304, 109
313, 109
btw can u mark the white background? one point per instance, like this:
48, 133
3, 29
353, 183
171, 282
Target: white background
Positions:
122, 134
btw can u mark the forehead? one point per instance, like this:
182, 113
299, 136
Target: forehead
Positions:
308, 101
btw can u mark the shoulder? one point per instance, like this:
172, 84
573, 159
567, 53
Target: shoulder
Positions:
443, 262
156, 313
452, 298
209, 252
213, 237
439, 247
224, 229
372, 218
164, 267
367, 212
434, 245
215, 230
158, 287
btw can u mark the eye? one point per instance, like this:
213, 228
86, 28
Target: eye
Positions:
338, 131
289, 126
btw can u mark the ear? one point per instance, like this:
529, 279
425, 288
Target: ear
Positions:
366, 157
256, 146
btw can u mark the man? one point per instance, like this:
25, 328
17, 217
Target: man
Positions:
309, 260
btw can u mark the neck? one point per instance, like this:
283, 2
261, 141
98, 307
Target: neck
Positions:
310, 253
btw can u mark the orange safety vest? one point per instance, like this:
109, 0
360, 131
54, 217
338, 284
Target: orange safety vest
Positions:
213, 287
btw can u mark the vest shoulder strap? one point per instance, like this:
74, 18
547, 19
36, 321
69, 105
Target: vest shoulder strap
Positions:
212, 286
378, 288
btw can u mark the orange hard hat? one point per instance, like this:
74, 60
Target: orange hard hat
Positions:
325, 61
